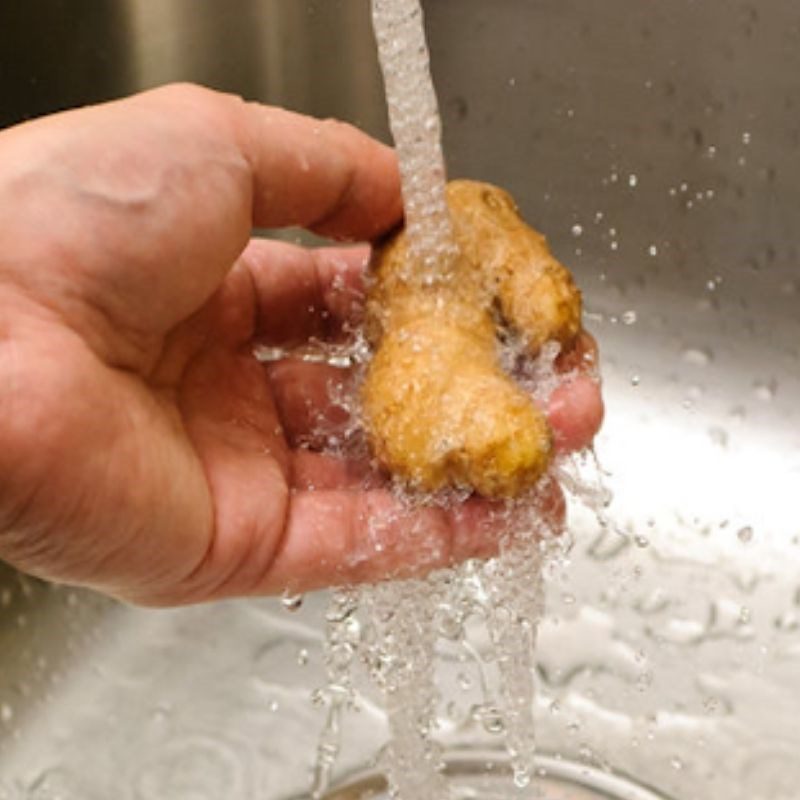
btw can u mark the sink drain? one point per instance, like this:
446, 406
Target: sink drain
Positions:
487, 776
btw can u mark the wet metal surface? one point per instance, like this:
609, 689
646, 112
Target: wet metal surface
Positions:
658, 145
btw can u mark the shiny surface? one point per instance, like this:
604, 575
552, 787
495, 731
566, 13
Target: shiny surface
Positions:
469, 779
658, 145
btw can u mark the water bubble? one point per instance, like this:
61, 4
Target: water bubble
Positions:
450, 627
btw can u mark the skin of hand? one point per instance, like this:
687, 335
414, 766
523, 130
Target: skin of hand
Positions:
144, 451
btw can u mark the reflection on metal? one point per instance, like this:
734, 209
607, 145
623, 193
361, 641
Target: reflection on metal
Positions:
317, 57
487, 775
657, 144
279, 51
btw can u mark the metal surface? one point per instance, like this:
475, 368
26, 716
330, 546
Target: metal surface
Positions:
486, 775
658, 145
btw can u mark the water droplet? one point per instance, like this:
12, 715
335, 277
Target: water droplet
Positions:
644, 681
292, 602
789, 622
652, 250
629, 317
745, 534
765, 390
6, 713
696, 356
632, 180
522, 778
746, 137
464, 681
585, 752
676, 763
577, 230
635, 380
302, 657
492, 720
745, 615
718, 435
641, 541
318, 698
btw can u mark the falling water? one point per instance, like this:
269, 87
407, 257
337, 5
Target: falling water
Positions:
400, 623
416, 128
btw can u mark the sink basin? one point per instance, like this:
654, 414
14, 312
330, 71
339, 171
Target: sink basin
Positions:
658, 145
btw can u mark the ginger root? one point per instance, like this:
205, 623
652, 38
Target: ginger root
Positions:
439, 410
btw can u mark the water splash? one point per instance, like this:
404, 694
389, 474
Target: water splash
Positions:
393, 629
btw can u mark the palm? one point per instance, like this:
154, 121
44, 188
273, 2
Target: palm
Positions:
144, 450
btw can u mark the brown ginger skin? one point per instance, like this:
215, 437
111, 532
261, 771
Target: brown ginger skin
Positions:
439, 409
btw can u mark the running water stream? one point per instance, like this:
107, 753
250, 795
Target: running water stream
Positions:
393, 629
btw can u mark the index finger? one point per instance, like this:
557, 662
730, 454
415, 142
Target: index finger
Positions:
147, 202
323, 175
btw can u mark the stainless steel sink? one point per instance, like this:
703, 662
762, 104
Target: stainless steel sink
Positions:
658, 145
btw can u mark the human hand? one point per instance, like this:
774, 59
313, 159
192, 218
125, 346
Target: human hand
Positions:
144, 451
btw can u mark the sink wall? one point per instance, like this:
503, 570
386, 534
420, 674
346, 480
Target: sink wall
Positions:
658, 146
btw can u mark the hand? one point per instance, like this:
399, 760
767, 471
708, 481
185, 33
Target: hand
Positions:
144, 451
